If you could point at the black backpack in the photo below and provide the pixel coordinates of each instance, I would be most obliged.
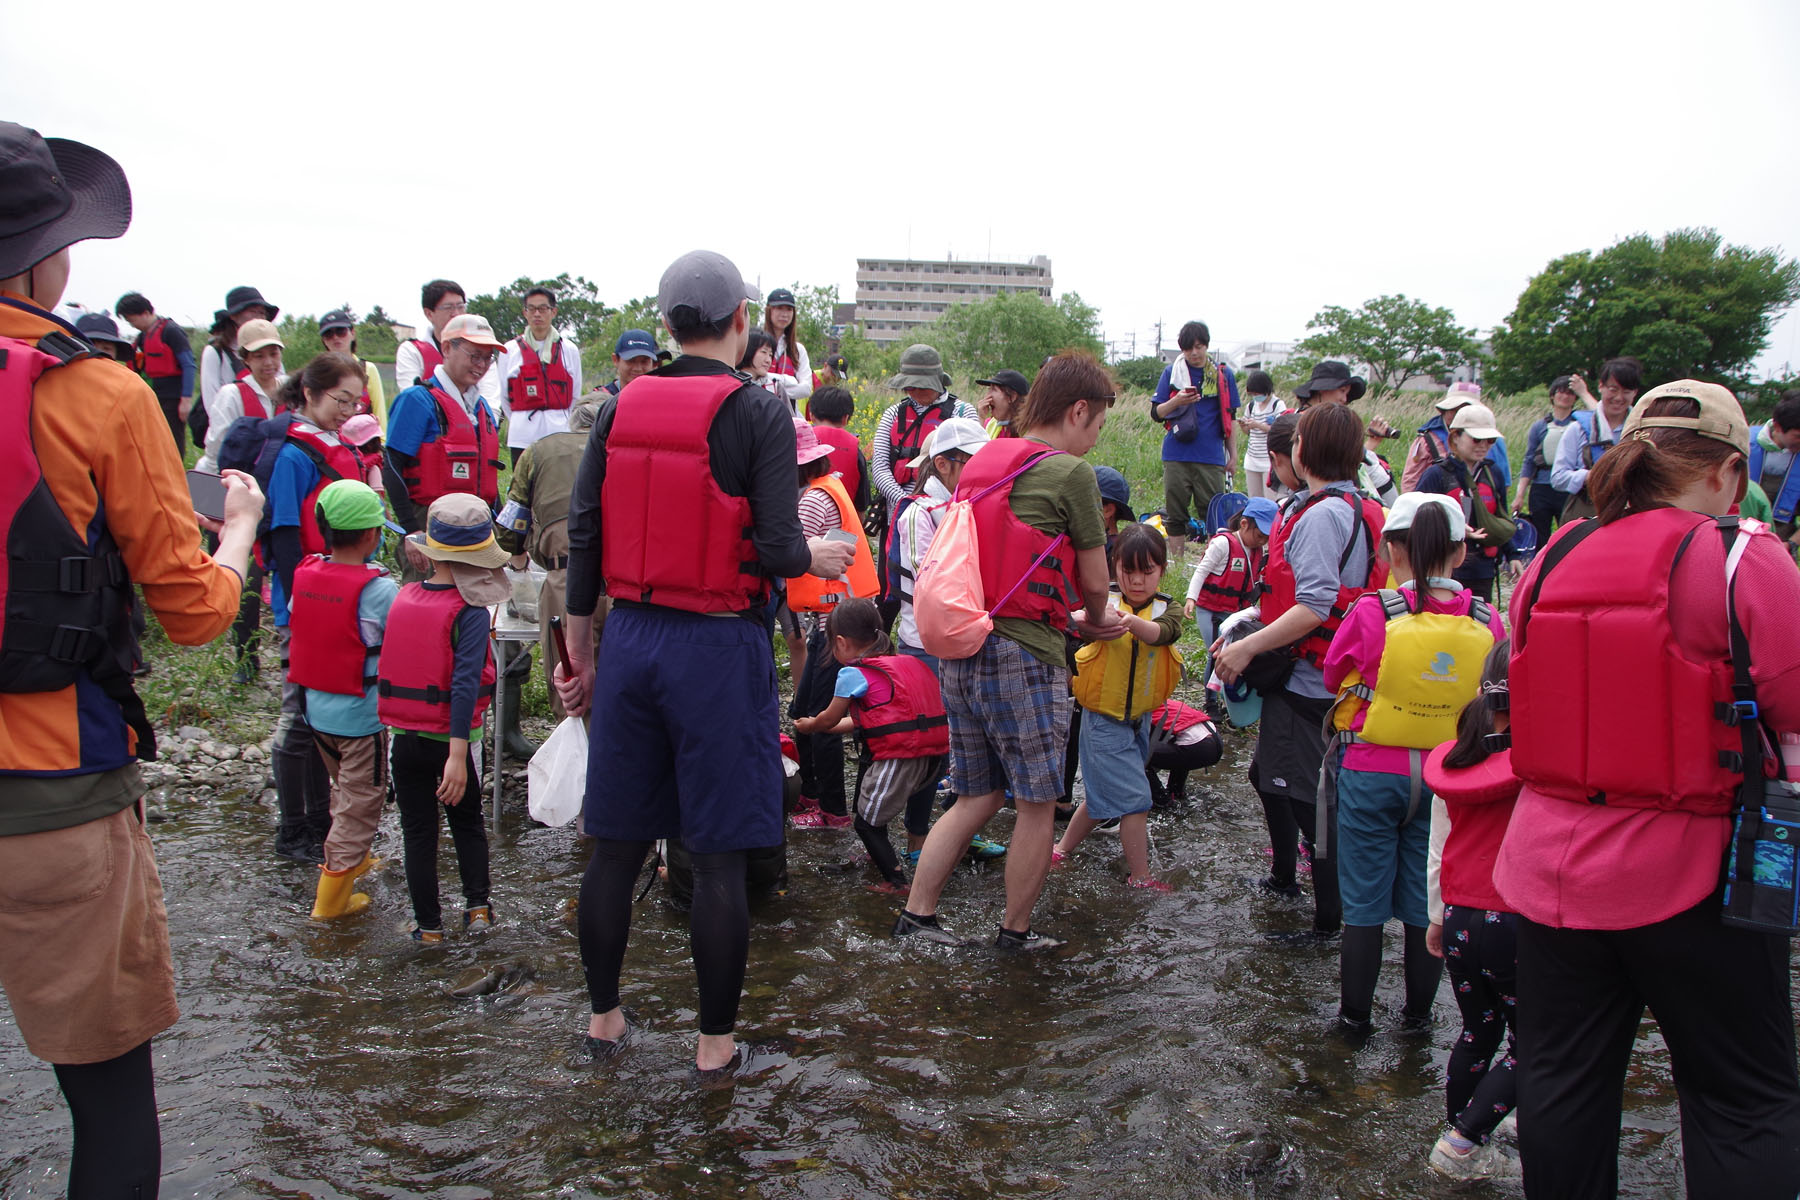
(252, 444)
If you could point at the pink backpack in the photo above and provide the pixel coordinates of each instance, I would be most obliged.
(951, 612)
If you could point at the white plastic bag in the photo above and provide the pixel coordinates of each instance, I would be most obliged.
(557, 777)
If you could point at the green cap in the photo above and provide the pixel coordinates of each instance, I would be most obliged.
(351, 504)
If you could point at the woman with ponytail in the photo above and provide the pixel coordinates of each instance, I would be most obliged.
(1628, 737)
(1404, 664)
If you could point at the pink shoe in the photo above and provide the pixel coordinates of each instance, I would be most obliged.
(843, 822)
(1151, 883)
(1057, 858)
(805, 804)
(817, 819)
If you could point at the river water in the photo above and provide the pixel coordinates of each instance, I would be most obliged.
(1168, 1050)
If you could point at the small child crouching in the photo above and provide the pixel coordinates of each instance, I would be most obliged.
(336, 618)
(893, 702)
(437, 680)
(1118, 684)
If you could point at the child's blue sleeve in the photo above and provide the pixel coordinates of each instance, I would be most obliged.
(851, 683)
(291, 479)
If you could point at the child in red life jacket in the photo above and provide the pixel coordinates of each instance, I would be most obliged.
(336, 618)
(1118, 684)
(1474, 792)
(893, 702)
(364, 433)
(1225, 581)
(1404, 663)
(437, 680)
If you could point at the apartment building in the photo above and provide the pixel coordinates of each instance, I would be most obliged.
(897, 295)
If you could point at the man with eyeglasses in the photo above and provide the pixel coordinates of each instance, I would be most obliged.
(541, 376)
(442, 436)
(443, 300)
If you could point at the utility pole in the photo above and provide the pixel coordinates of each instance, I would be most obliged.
(1159, 337)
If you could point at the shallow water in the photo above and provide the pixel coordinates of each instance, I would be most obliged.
(1167, 1051)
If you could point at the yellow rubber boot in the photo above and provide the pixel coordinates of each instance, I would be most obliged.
(369, 863)
(335, 899)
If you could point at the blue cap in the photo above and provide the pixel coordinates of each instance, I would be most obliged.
(635, 343)
(1113, 487)
(1262, 510)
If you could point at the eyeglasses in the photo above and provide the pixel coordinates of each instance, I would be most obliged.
(340, 332)
(452, 306)
(540, 308)
(478, 357)
(1482, 441)
(344, 399)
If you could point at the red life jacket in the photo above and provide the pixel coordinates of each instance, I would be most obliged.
(253, 401)
(327, 652)
(67, 607)
(418, 658)
(785, 363)
(907, 440)
(1177, 717)
(670, 535)
(1487, 486)
(910, 721)
(845, 449)
(154, 356)
(430, 359)
(538, 386)
(335, 461)
(1606, 706)
(1232, 588)
(460, 459)
(1278, 575)
(1046, 592)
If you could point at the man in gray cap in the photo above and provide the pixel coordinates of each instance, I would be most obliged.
(684, 507)
(900, 436)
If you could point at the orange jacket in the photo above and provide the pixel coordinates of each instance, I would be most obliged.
(98, 419)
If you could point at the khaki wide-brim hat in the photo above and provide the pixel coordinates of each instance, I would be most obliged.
(460, 529)
(921, 366)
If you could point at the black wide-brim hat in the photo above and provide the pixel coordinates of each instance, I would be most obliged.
(240, 298)
(1330, 374)
(54, 193)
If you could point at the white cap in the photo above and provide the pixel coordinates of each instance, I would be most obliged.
(1400, 517)
(1476, 420)
(955, 433)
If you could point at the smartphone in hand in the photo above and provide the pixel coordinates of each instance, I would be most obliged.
(208, 493)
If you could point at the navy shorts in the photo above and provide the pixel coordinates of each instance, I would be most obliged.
(685, 736)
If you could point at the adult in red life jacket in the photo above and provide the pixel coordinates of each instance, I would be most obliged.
(442, 436)
(90, 481)
(790, 361)
(1613, 857)
(321, 398)
(166, 360)
(1321, 557)
(540, 374)
(253, 395)
(1009, 702)
(1002, 401)
(685, 507)
(900, 437)
(832, 408)
(417, 358)
(1468, 477)
(1195, 400)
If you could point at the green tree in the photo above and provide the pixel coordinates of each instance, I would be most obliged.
(375, 338)
(1140, 373)
(1011, 329)
(579, 310)
(300, 341)
(596, 352)
(1685, 304)
(812, 313)
(1396, 336)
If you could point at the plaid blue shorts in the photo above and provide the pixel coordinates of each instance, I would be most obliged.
(1009, 722)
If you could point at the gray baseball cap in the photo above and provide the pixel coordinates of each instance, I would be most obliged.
(704, 281)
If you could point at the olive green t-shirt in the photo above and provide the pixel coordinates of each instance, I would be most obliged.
(1057, 495)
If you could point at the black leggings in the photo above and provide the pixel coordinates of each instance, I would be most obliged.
(1182, 759)
(1481, 954)
(418, 765)
(1359, 966)
(1290, 821)
(118, 1145)
(821, 754)
(881, 850)
(718, 927)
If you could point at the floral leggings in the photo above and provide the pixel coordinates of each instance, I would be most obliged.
(1480, 954)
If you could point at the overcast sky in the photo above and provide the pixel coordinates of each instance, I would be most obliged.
(1244, 164)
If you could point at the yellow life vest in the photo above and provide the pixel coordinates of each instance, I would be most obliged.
(1124, 678)
(1430, 670)
(809, 593)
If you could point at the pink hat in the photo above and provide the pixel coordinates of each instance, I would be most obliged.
(359, 430)
(807, 446)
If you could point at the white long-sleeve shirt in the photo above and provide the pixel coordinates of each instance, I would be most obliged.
(525, 428)
(222, 408)
(215, 372)
(801, 387)
(915, 529)
(409, 367)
